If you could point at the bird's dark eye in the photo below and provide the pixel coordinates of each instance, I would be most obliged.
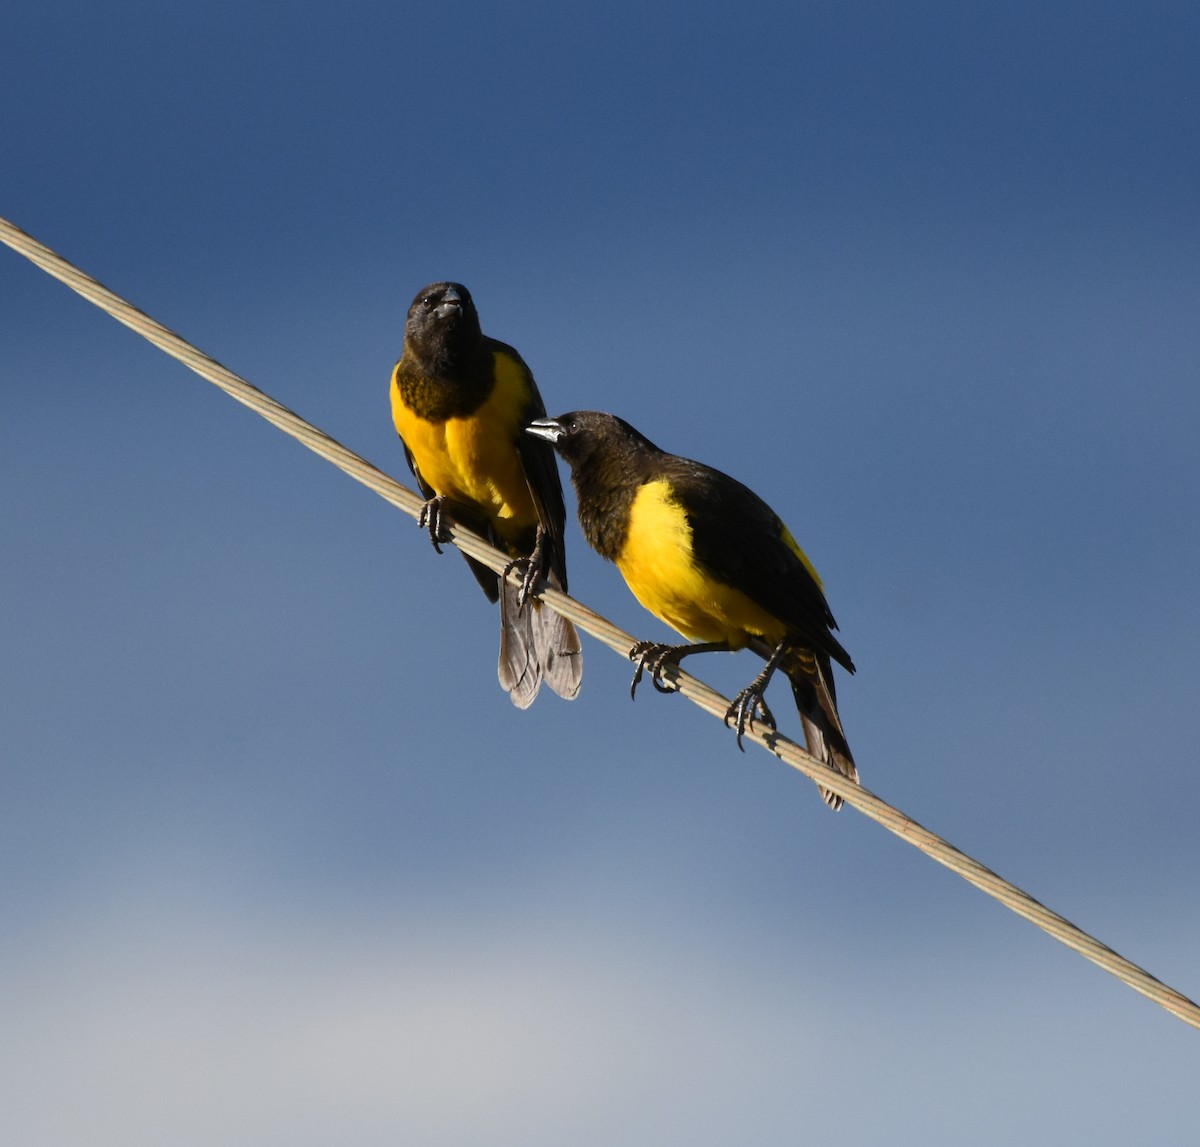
(427, 301)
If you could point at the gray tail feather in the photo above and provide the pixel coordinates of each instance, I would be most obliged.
(536, 644)
(557, 647)
(520, 674)
(822, 726)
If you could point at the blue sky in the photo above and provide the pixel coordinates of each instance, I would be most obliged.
(279, 862)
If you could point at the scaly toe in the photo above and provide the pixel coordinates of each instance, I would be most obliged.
(430, 519)
(653, 656)
(529, 578)
(661, 662)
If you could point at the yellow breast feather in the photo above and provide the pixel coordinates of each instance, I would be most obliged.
(656, 562)
(474, 459)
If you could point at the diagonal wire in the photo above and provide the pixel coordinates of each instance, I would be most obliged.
(603, 630)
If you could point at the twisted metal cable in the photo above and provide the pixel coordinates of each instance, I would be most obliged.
(603, 630)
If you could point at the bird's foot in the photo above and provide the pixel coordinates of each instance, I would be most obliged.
(529, 578)
(532, 569)
(749, 705)
(430, 519)
(656, 657)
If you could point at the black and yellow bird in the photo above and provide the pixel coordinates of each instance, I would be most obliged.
(710, 558)
(461, 402)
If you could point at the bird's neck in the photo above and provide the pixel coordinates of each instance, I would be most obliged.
(605, 497)
(447, 383)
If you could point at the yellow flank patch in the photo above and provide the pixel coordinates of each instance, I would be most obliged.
(474, 459)
(656, 562)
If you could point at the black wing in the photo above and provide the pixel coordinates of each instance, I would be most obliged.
(541, 471)
(426, 489)
(738, 539)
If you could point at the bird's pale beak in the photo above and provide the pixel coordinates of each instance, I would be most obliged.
(545, 428)
(451, 303)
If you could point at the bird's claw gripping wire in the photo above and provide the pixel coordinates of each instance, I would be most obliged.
(532, 568)
(655, 656)
(749, 705)
(430, 519)
(529, 578)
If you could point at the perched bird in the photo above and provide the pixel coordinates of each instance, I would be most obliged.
(461, 402)
(710, 558)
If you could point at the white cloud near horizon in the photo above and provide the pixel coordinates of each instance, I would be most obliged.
(134, 1019)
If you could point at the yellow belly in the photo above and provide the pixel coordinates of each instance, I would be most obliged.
(657, 565)
(474, 460)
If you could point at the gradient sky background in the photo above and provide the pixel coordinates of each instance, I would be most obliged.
(279, 862)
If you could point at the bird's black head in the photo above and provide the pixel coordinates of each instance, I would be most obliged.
(609, 460)
(584, 437)
(442, 325)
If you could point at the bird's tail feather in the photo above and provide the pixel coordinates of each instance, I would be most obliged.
(536, 644)
(557, 647)
(812, 686)
(519, 671)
